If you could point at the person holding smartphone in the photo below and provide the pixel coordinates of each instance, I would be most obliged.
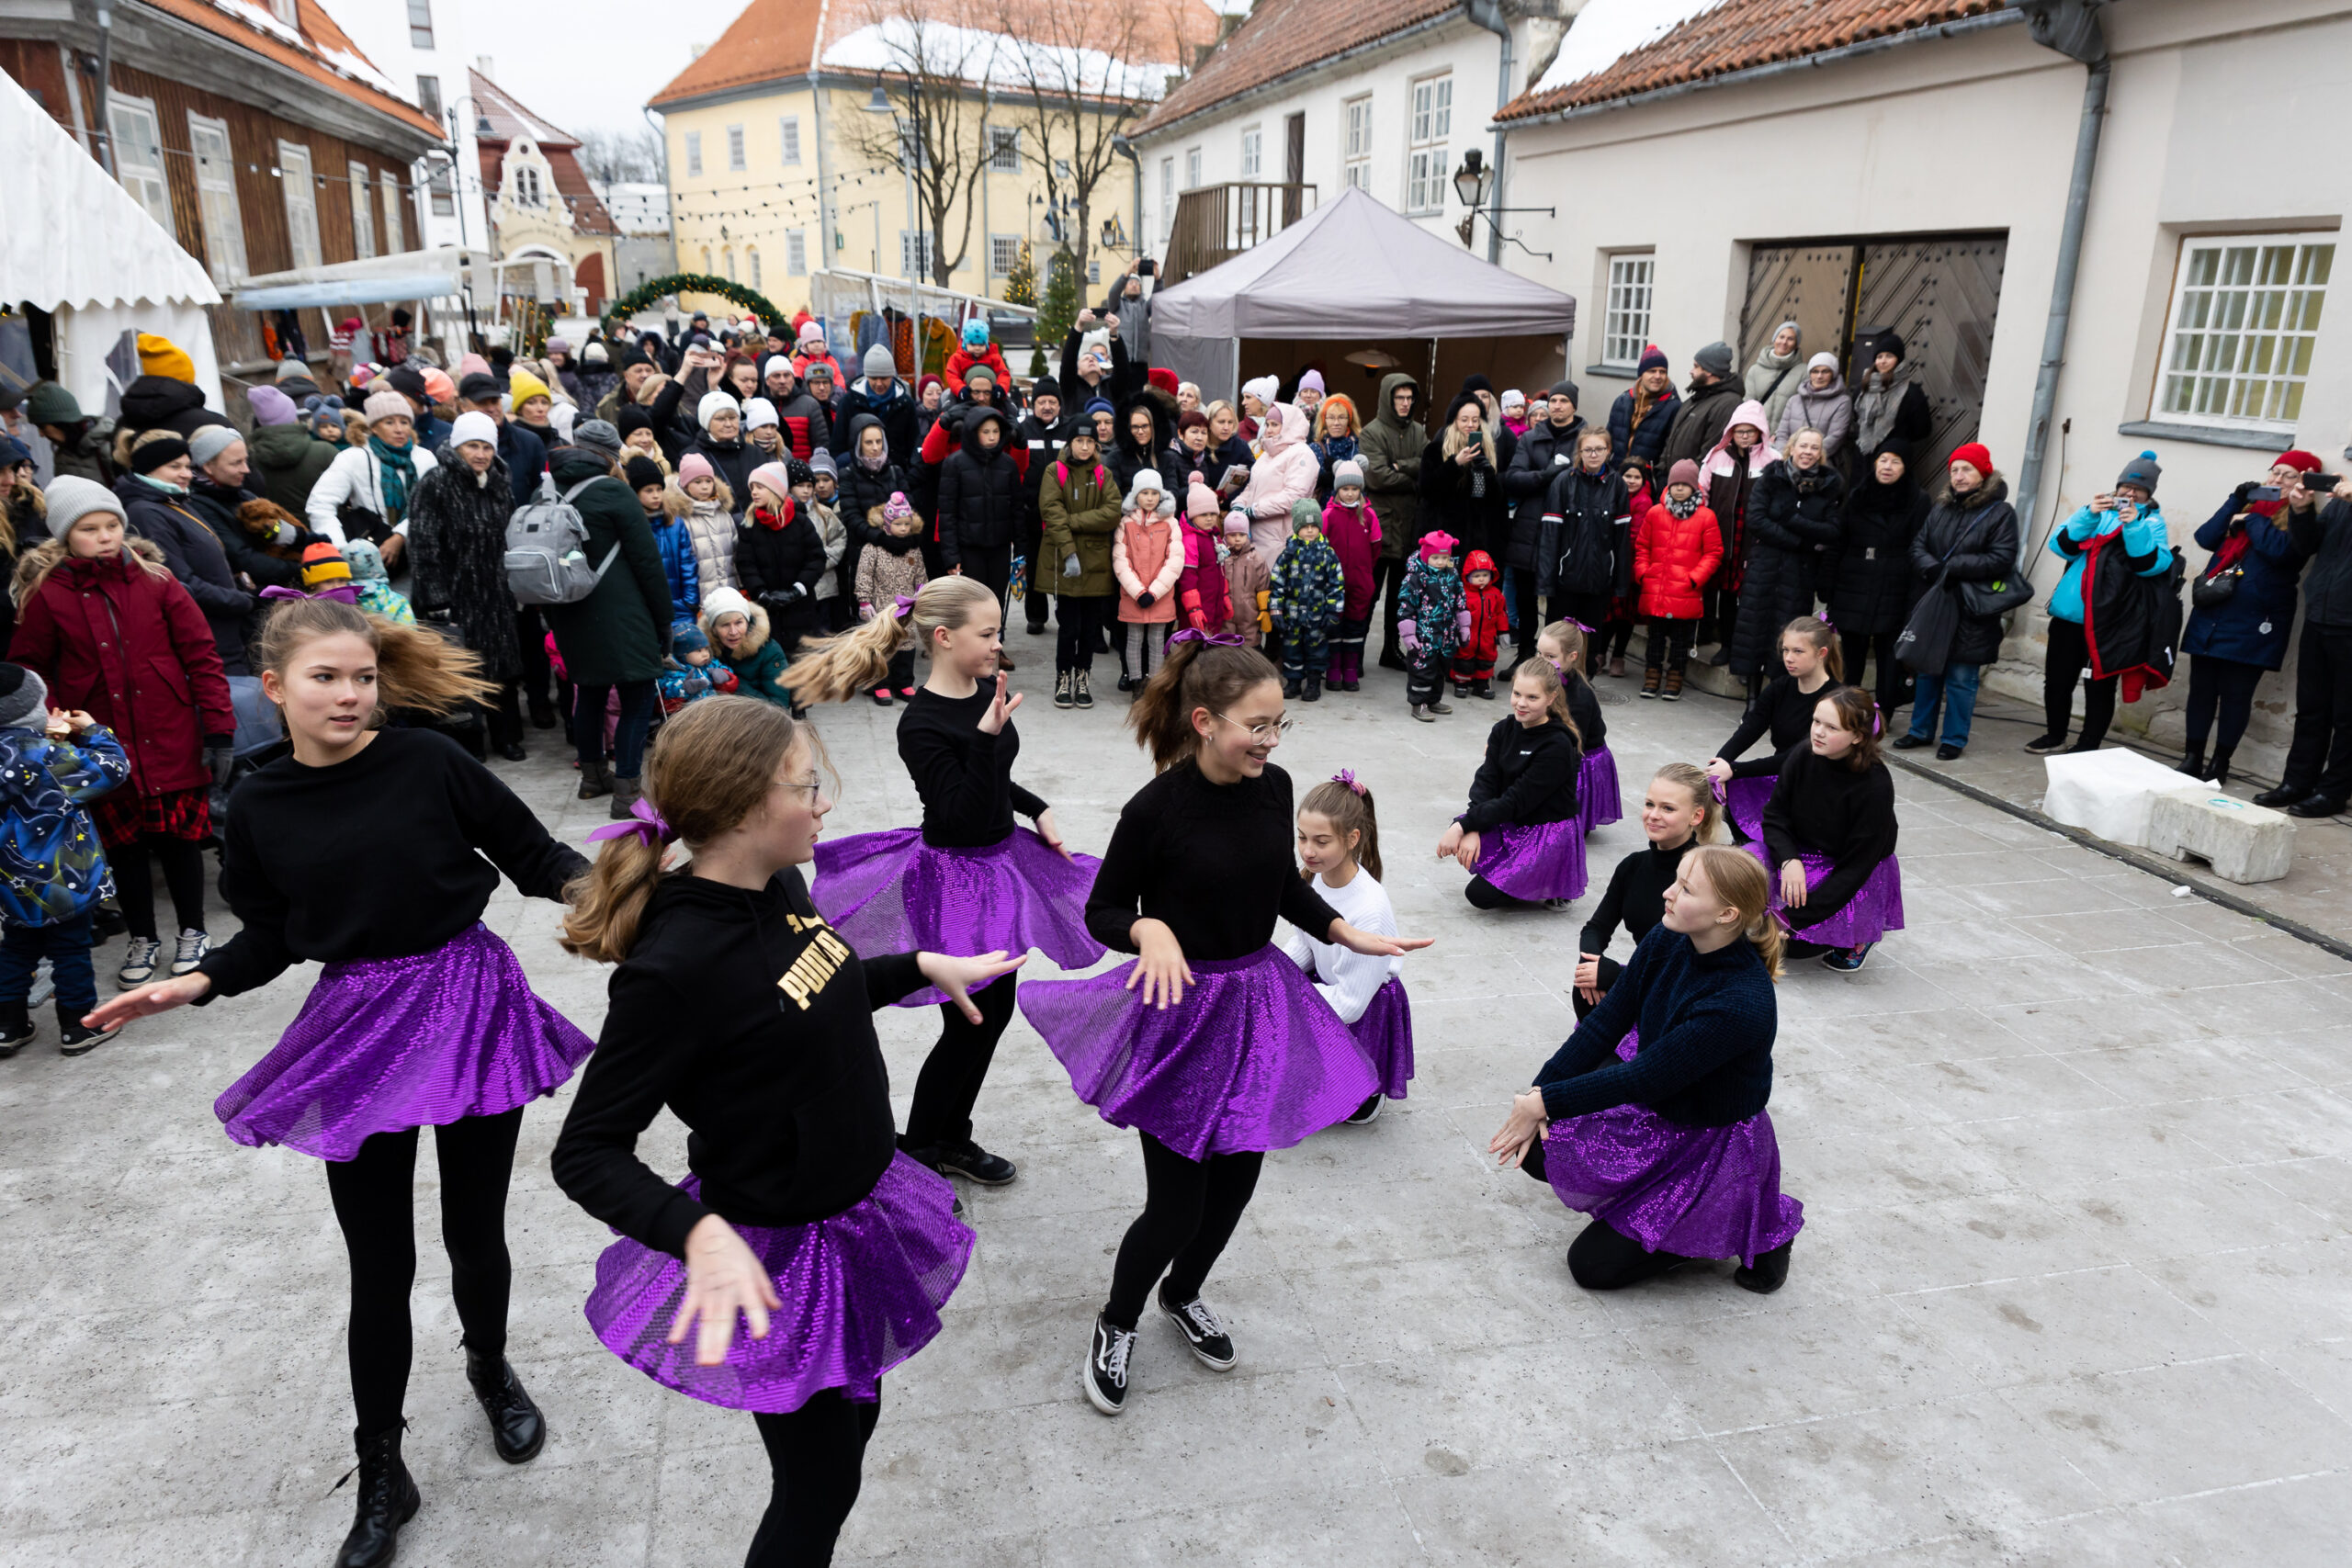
(2242, 609)
(2318, 776)
(2129, 507)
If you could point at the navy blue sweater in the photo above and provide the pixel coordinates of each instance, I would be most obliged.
(1707, 1022)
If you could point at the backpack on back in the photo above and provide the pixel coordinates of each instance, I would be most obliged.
(546, 561)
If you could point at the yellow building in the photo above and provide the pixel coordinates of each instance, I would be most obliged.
(783, 162)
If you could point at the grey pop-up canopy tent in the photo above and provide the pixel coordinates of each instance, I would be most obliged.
(1355, 276)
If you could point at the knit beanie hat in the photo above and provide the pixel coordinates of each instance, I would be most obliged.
(49, 403)
(821, 462)
(1094, 403)
(799, 472)
(1437, 542)
(976, 334)
(898, 506)
(323, 566)
(634, 417)
(1045, 387)
(473, 426)
(270, 406)
(1159, 375)
(776, 477)
(1974, 455)
(323, 412)
(713, 404)
(290, 370)
(1261, 387)
(812, 330)
(758, 413)
(2302, 462)
(979, 373)
(1715, 359)
(1825, 360)
(438, 386)
(1653, 358)
(1146, 479)
(598, 437)
(149, 456)
(1201, 502)
(386, 405)
(1513, 398)
(13, 451)
(685, 640)
(1237, 520)
(1310, 378)
(408, 382)
(1305, 513)
(162, 357)
(365, 561)
(24, 699)
(640, 472)
(694, 466)
(522, 386)
(877, 362)
(70, 498)
(1345, 472)
(209, 441)
(723, 601)
(1568, 389)
(1685, 472)
(2142, 472)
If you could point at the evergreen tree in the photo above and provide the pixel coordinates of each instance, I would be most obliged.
(1021, 283)
(1058, 306)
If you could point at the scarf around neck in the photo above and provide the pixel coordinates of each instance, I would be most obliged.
(398, 465)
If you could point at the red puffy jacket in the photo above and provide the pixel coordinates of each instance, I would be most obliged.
(1201, 587)
(1489, 617)
(1673, 558)
(131, 649)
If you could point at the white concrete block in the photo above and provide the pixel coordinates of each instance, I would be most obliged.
(2108, 793)
(2243, 843)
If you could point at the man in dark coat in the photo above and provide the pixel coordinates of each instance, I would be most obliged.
(1041, 434)
(1546, 450)
(2318, 776)
(1713, 397)
(880, 392)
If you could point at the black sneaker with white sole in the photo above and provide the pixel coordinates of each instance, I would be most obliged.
(969, 1160)
(16, 1029)
(1104, 1375)
(1363, 1113)
(1211, 1343)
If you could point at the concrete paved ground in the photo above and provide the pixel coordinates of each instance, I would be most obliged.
(2072, 1289)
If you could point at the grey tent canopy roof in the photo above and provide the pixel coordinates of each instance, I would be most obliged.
(1355, 268)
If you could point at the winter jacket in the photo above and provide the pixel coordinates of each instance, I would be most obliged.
(1309, 591)
(161, 402)
(1490, 615)
(457, 552)
(1203, 597)
(885, 571)
(1675, 559)
(120, 640)
(780, 561)
(1391, 449)
(710, 528)
(1286, 471)
(1147, 556)
(1135, 317)
(1866, 577)
(1647, 439)
(1126, 458)
(1354, 533)
(1583, 541)
(1465, 501)
(1527, 778)
(863, 489)
(1078, 506)
(1829, 410)
(1790, 521)
(1729, 488)
(2325, 535)
(1249, 588)
(1892, 410)
(758, 664)
(960, 364)
(621, 631)
(219, 507)
(1541, 457)
(1970, 538)
(827, 517)
(893, 411)
(196, 557)
(51, 865)
(1432, 602)
(692, 683)
(355, 478)
(733, 461)
(1773, 380)
(1042, 442)
(2253, 623)
(1331, 451)
(679, 568)
(288, 461)
(2144, 538)
(979, 492)
(2131, 617)
(1699, 424)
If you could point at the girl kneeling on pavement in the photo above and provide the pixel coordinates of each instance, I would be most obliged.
(1829, 836)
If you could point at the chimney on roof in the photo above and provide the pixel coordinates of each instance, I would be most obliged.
(487, 66)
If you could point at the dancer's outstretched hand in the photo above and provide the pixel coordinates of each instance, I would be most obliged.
(957, 977)
(1520, 1130)
(1371, 944)
(1051, 831)
(1161, 969)
(146, 1002)
(992, 721)
(724, 1277)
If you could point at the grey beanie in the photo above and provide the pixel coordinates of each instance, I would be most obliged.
(209, 441)
(1564, 389)
(1715, 359)
(878, 361)
(2142, 472)
(70, 498)
(24, 699)
(599, 436)
(821, 461)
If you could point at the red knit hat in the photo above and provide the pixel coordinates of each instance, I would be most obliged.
(1973, 454)
(1162, 377)
(2302, 462)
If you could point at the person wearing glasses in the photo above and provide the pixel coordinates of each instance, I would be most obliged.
(739, 1009)
(1212, 1044)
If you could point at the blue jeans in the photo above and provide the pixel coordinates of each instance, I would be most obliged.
(66, 944)
(1955, 691)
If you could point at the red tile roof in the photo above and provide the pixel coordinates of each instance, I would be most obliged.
(1283, 35)
(1739, 35)
(315, 57)
(512, 120)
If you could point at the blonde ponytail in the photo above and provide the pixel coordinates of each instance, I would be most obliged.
(837, 668)
(1701, 786)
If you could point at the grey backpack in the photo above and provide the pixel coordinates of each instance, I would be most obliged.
(546, 561)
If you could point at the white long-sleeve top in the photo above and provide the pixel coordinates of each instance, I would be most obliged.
(1348, 980)
(355, 477)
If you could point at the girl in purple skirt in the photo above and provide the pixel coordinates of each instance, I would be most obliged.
(1829, 836)
(1339, 844)
(1598, 801)
(1669, 1149)
(421, 1017)
(736, 1007)
(1520, 838)
(1679, 810)
(1782, 711)
(968, 880)
(1211, 1044)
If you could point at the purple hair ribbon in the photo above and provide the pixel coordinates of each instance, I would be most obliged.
(1722, 795)
(906, 603)
(1347, 776)
(342, 593)
(643, 820)
(1215, 640)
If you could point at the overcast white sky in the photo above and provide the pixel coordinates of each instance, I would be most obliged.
(591, 64)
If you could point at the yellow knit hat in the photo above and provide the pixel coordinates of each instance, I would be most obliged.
(162, 357)
(523, 387)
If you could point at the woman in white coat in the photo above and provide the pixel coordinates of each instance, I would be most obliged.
(376, 478)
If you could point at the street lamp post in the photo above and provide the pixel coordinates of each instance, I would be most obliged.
(1474, 181)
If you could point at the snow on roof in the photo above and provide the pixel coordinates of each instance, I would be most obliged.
(1605, 31)
(992, 59)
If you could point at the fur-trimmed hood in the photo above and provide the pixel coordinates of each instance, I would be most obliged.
(729, 602)
(35, 565)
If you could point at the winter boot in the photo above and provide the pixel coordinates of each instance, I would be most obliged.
(595, 780)
(75, 1038)
(1084, 694)
(1313, 693)
(1061, 689)
(1673, 692)
(1650, 680)
(1483, 689)
(388, 1499)
(1421, 712)
(2217, 772)
(517, 1431)
(2193, 761)
(625, 794)
(15, 1027)
(1291, 688)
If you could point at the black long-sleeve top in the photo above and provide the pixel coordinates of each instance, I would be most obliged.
(1584, 706)
(1529, 777)
(745, 1014)
(1784, 713)
(289, 871)
(1636, 896)
(1707, 1021)
(1828, 808)
(964, 777)
(1213, 860)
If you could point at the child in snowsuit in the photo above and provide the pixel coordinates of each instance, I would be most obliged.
(376, 594)
(1354, 528)
(888, 570)
(1309, 592)
(1248, 582)
(53, 871)
(1145, 558)
(1677, 548)
(1482, 596)
(1430, 623)
(1201, 587)
(976, 349)
(698, 675)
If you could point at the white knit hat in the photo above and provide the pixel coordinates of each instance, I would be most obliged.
(473, 426)
(723, 601)
(713, 404)
(70, 498)
(1146, 479)
(1264, 388)
(758, 411)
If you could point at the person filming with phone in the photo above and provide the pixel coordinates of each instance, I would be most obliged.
(2319, 763)
(2241, 610)
(2131, 508)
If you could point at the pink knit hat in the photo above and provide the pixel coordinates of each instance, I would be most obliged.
(694, 466)
(777, 479)
(1201, 502)
(1438, 542)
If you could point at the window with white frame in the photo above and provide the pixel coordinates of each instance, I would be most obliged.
(138, 156)
(752, 263)
(420, 24)
(694, 151)
(789, 127)
(1253, 150)
(428, 95)
(915, 252)
(216, 196)
(735, 148)
(1004, 149)
(302, 203)
(395, 235)
(1432, 126)
(443, 184)
(727, 259)
(1355, 156)
(1004, 254)
(2245, 314)
(796, 252)
(1192, 168)
(1625, 313)
(363, 211)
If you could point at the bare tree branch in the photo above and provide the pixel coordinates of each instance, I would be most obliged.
(937, 74)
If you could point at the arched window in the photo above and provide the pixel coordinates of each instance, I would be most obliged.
(705, 261)
(752, 263)
(727, 255)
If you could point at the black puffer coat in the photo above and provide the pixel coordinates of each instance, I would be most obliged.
(1791, 518)
(1865, 576)
(780, 568)
(218, 504)
(734, 460)
(192, 552)
(162, 402)
(979, 492)
(1125, 460)
(1585, 544)
(1978, 533)
(1542, 454)
(456, 546)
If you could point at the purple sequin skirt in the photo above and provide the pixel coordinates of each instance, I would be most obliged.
(1598, 800)
(1385, 1033)
(1744, 803)
(892, 893)
(1699, 1191)
(861, 1291)
(1535, 864)
(1875, 908)
(384, 1044)
(1252, 1059)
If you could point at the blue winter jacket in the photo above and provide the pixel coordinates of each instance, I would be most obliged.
(677, 547)
(2252, 625)
(51, 864)
(2145, 534)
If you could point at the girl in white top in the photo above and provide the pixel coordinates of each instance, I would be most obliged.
(1338, 844)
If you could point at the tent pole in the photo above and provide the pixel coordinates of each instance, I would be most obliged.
(1432, 382)
(1233, 383)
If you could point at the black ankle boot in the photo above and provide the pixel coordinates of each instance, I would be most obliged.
(516, 1428)
(2193, 761)
(1772, 1270)
(388, 1499)
(2217, 772)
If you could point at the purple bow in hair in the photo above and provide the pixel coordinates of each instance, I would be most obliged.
(1215, 640)
(906, 603)
(1823, 617)
(1589, 631)
(1722, 795)
(342, 593)
(644, 821)
(1347, 776)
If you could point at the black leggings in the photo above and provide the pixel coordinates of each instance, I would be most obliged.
(1079, 621)
(374, 1193)
(950, 1081)
(1603, 1257)
(2225, 683)
(134, 881)
(1892, 687)
(1190, 1208)
(815, 1454)
(1485, 894)
(2069, 656)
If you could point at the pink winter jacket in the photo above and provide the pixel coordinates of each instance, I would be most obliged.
(1146, 556)
(1285, 472)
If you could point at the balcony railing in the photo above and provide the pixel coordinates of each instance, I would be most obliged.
(1216, 223)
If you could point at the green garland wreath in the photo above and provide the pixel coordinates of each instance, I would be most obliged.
(646, 293)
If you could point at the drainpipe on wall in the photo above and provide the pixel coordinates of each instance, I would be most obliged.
(1489, 14)
(2071, 28)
